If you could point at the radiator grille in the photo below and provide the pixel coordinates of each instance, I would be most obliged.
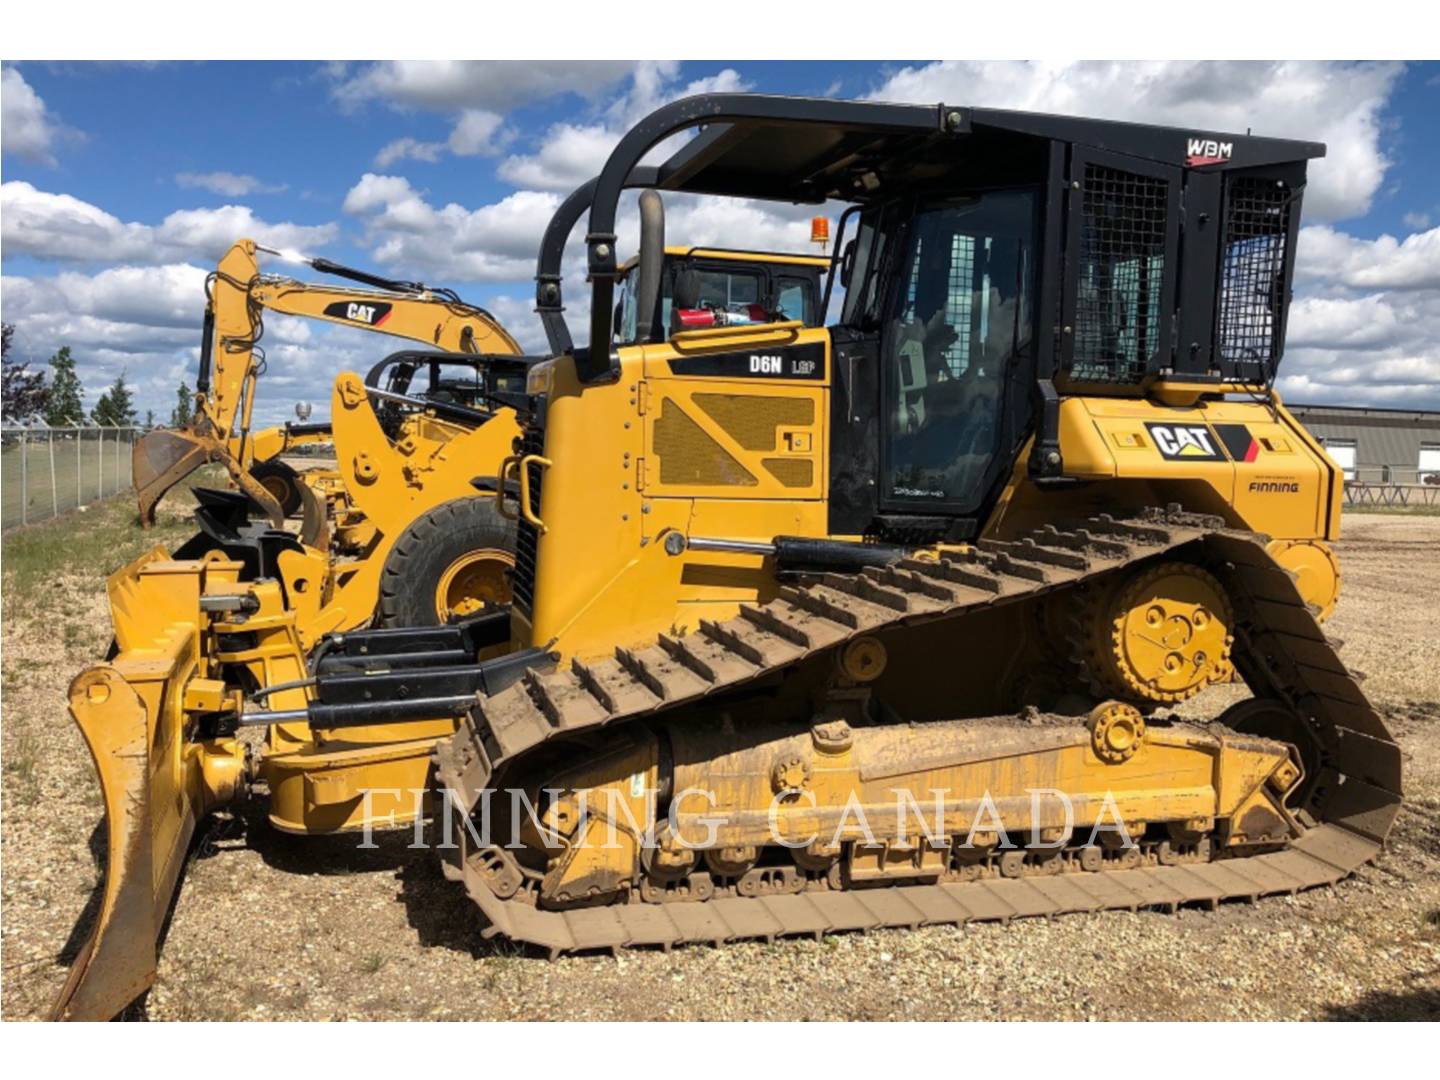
(1121, 271)
(791, 472)
(522, 578)
(753, 421)
(689, 456)
(1252, 271)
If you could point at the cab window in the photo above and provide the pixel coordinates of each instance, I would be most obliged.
(795, 299)
(727, 290)
(960, 313)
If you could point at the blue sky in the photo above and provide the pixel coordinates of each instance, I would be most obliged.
(122, 183)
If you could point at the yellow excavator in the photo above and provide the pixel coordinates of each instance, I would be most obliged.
(231, 362)
(817, 629)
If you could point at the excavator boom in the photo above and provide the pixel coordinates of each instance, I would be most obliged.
(239, 295)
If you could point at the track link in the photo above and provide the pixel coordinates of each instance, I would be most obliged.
(1353, 792)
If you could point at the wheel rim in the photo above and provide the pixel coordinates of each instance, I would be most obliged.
(278, 487)
(473, 582)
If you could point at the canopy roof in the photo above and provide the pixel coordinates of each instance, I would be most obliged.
(810, 150)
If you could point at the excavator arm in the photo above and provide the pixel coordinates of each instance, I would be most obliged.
(231, 363)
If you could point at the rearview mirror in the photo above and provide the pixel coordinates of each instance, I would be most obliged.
(847, 264)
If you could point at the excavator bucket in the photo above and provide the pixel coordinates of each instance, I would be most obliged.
(161, 459)
(156, 781)
(165, 457)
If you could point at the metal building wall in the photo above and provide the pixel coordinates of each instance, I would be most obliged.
(1390, 437)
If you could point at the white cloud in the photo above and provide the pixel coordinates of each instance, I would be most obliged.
(232, 185)
(477, 132)
(500, 241)
(494, 85)
(497, 242)
(568, 156)
(146, 321)
(477, 92)
(1334, 103)
(517, 315)
(571, 153)
(400, 149)
(1417, 220)
(1338, 323)
(47, 225)
(1365, 325)
(1327, 255)
(27, 128)
(142, 320)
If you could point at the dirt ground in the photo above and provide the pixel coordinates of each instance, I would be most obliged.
(273, 927)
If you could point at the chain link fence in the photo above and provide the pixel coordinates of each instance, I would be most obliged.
(47, 471)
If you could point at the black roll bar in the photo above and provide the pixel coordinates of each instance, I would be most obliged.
(690, 112)
(548, 277)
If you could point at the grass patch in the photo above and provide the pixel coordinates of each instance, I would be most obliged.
(21, 759)
(91, 542)
(372, 963)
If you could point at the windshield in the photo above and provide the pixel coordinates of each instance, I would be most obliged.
(960, 310)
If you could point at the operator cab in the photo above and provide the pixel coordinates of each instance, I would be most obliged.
(464, 388)
(1001, 261)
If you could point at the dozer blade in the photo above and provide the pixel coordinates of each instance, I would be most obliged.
(163, 458)
(155, 782)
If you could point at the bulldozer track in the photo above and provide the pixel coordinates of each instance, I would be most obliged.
(1352, 793)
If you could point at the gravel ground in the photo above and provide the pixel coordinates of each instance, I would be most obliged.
(273, 927)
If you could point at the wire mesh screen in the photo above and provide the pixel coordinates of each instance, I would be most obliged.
(960, 301)
(1252, 271)
(1123, 228)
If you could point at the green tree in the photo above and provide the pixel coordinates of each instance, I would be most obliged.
(180, 415)
(23, 393)
(149, 419)
(65, 407)
(116, 407)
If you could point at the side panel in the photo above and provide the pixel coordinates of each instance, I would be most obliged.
(1245, 461)
(1239, 449)
(720, 434)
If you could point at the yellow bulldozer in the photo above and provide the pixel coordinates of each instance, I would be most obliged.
(816, 629)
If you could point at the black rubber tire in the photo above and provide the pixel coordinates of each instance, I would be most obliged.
(274, 470)
(428, 546)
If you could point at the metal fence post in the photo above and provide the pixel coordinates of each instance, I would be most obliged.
(24, 478)
(79, 473)
(54, 485)
(99, 462)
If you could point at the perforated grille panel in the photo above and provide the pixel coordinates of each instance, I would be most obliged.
(1252, 270)
(689, 456)
(1121, 271)
(754, 421)
(791, 472)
